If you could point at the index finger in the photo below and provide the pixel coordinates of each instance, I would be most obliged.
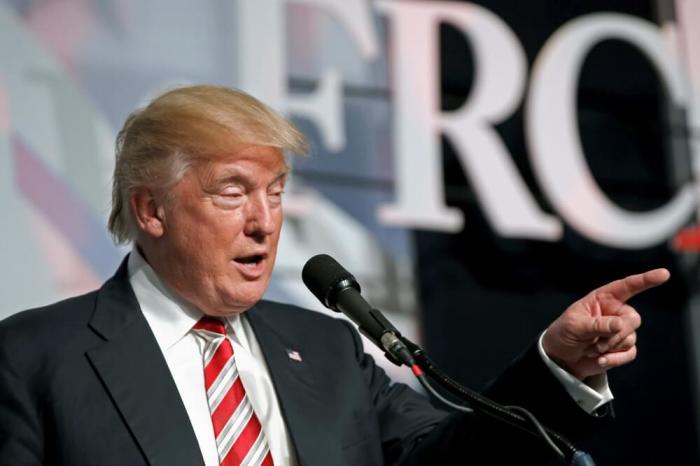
(627, 287)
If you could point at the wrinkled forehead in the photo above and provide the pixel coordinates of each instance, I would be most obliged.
(242, 160)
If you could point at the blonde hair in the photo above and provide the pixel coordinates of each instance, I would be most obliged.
(158, 143)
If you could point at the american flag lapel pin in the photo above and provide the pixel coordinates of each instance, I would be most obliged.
(294, 355)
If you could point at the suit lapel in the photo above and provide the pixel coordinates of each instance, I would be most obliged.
(134, 371)
(305, 409)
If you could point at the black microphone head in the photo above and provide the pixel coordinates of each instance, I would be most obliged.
(324, 277)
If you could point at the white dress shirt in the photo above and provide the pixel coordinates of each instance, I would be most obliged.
(171, 320)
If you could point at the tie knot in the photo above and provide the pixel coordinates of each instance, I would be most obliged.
(211, 324)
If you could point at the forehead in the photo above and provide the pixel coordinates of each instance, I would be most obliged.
(253, 162)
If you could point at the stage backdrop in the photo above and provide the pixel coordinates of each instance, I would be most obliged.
(477, 165)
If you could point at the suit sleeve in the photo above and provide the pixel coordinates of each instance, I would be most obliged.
(413, 432)
(479, 439)
(21, 442)
(529, 383)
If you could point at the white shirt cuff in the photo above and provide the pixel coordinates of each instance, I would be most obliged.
(591, 395)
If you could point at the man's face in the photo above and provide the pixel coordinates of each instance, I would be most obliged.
(221, 228)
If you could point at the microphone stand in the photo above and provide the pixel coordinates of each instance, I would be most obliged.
(399, 348)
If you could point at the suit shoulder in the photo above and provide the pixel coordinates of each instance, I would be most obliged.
(46, 321)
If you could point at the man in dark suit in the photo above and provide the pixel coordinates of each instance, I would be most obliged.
(142, 371)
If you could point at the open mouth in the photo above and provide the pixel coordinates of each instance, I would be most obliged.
(250, 261)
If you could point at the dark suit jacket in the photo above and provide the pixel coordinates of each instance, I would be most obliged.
(83, 382)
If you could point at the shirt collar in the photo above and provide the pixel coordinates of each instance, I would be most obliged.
(169, 316)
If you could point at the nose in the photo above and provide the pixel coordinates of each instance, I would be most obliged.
(260, 219)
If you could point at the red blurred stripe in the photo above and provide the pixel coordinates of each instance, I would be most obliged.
(688, 239)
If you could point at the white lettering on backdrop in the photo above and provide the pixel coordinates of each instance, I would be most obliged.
(499, 84)
(555, 147)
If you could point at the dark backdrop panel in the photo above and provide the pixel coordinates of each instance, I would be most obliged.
(485, 298)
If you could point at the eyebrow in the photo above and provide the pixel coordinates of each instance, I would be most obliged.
(233, 176)
(280, 176)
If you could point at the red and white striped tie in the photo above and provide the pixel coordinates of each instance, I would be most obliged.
(240, 439)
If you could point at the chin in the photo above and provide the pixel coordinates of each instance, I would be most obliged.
(238, 304)
(239, 297)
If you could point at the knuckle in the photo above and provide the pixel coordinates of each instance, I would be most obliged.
(615, 324)
(626, 343)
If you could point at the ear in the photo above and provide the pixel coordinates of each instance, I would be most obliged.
(148, 213)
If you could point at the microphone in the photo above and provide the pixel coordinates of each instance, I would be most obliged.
(338, 290)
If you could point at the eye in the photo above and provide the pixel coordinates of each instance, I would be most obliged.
(232, 191)
(275, 194)
(230, 196)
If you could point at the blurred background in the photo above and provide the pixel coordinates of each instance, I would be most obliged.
(477, 165)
